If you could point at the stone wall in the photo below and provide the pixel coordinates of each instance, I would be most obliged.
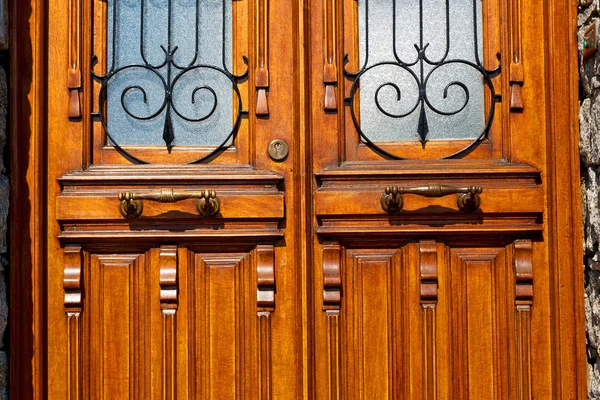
(589, 118)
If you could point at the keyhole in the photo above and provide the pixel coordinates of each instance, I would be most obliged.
(278, 149)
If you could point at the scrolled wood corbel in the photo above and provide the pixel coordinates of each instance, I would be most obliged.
(265, 303)
(74, 80)
(262, 58)
(523, 269)
(332, 302)
(428, 273)
(73, 300)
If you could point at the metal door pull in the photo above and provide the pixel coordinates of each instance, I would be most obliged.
(468, 199)
(132, 206)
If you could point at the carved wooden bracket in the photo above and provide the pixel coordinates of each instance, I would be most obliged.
(73, 280)
(265, 277)
(428, 270)
(168, 279)
(262, 57)
(428, 273)
(330, 71)
(332, 276)
(74, 73)
(516, 63)
(73, 286)
(523, 263)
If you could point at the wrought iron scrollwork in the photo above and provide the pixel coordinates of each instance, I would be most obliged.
(420, 71)
(169, 77)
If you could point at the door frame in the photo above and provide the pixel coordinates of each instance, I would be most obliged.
(28, 217)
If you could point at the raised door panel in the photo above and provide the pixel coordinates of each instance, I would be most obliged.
(170, 322)
(426, 320)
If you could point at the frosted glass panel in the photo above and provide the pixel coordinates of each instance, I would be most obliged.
(402, 90)
(169, 46)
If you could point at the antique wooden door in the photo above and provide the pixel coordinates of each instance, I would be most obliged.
(370, 199)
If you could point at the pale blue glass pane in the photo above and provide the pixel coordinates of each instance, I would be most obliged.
(195, 91)
(467, 123)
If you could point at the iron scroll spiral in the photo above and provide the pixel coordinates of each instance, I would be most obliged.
(420, 72)
(169, 78)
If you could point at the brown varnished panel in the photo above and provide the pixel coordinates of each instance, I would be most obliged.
(478, 294)
(117, 341)
(90, 207)
(370, 314)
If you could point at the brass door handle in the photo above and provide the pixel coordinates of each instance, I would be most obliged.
(132, 206)
(468, 199)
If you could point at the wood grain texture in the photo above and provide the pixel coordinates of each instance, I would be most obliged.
(168, 266)
(428, 271)
(73, 285)
(349, 320)
(523, 265)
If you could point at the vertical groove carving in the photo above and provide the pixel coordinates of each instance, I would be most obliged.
(330, 71)
(74, 74)
(516, 63)
(523, 265)
(332, 302)
(168, 305)
(73, 284)
(262, 59)
(265, 303)
(428, 271)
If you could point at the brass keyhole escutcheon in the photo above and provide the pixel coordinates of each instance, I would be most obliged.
(278, 150)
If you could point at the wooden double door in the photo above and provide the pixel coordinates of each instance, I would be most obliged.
(308, 250)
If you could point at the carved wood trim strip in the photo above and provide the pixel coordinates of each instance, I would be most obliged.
(168, 306)
(333, 353)
(428, 272)
(330, 71)
(262, 57)
(332, 277)
(265, 370)
(265, 303)
(74, 74)
(265, 277)
(516, 66)
(72, 284)
(332, 302)
(523, 265)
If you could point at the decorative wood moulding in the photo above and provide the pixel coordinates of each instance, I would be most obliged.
(262, 57)
(73, 280)
(428, 272)
(523, 267)
(265, 302)
(332, 278)
(72, 284)
(516, 63)
(168, 305)
(330, 70)
(523, 263)
(332, 302)
(74, 73)
(168, 279)
(265, 277)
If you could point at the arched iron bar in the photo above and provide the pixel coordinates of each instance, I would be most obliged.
(422, 79)
(168, 80)
(366, 62)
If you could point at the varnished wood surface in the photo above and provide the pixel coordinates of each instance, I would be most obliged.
(303, 286)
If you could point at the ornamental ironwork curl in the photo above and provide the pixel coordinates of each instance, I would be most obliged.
(421, 70)
(167, 77)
